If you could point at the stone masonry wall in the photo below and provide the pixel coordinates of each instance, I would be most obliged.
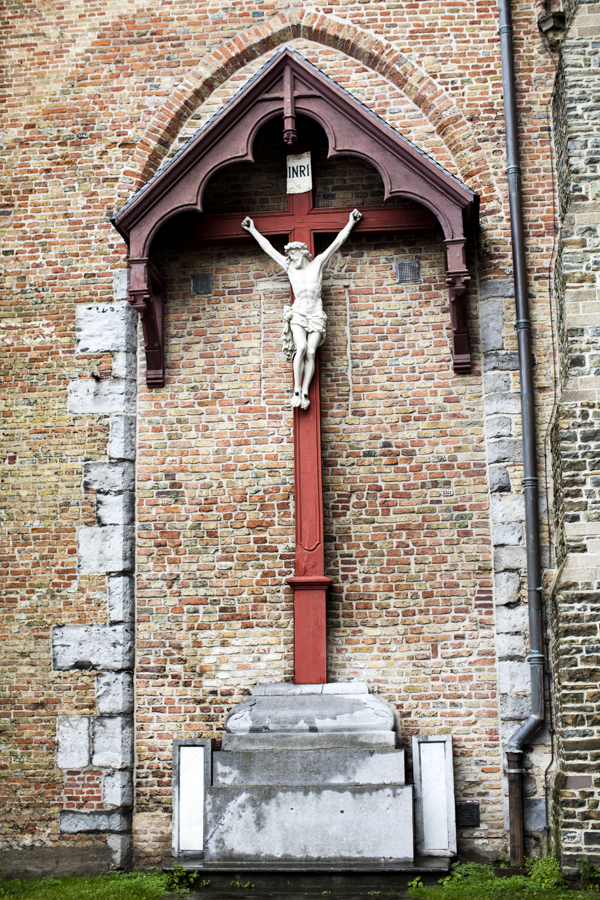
(96, 102)
(576, 447)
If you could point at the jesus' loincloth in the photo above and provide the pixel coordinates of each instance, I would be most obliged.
(310, 322)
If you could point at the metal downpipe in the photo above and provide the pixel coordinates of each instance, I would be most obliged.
(530, 480)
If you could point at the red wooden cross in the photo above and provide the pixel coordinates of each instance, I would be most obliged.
(301, 221)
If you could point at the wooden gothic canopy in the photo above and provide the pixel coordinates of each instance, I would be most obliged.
(288, 86)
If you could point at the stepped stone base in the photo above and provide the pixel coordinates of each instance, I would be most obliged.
(310, 774)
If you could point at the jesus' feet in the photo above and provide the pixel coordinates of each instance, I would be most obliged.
(296, 399)
(305, 402)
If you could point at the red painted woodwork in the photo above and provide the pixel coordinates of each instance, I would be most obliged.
(288, 86)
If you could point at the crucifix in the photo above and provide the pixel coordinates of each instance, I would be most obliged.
(301, 223)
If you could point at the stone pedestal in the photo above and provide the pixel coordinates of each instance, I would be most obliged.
(309, 773)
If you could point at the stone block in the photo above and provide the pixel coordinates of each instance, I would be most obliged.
(105, 327)
(505, 450)
(491, 313)
(513, 677)
(498, 426)
(296, 767)
(534, 814)
(121, 850)
(510, 646)
(112, 742)
(498, 288)
(507, 587)
(497, 382)
(117, 789)
(92, 647)
(508, 404)
(310, 711)
(105, 549)
(115, 509)
(499, 479)
(514, 707)
(336, 740)
(121, 284)
(121, 444)
(90, 397)
(508, 509)
(514, 558)
(511, 534)
(498, 360)
(121, 598)
(309, 824)
(288, 689)
(107, 477)
(124, 365)
(114, 693)
(73, 742)
(72, 822)
(512, 619)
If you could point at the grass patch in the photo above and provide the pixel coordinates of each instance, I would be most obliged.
(116, 886)
(470, 881)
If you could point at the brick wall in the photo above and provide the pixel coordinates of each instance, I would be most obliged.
(427, 605)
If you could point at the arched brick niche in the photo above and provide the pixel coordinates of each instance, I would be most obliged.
(288, 87)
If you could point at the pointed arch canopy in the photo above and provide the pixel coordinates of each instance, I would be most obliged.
(289, 86)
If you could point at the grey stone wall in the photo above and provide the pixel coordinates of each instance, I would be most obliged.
(576, 442)
(105, 741)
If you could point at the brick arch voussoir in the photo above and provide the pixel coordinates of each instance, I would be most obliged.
(367, 49)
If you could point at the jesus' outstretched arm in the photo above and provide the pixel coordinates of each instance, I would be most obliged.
(323, 258)
(267, 246)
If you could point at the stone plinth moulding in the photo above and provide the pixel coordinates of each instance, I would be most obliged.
(288, 87)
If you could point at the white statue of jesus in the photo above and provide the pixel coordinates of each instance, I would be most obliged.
(305, 321)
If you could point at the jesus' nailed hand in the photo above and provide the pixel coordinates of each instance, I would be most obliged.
(305, 321)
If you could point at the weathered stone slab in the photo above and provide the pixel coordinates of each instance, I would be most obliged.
(106, 477)
(121, 598)
(73, 742)
(514, 677)
(492, 321)
(512, 619)
(508, 509)
(287, 688)
(509, 534)
(497, 288)
(114, 693)
(92, 647)
(113, 743)
(117, 789)
(507, 586)
(121, 284)
(105, 327)
(333, 740)
(505, 450)
(72, 822)
(499, 479)
(114, 395)
(498, 426)
(310, 712)
(303, 767)
(122, 440)
(105, 549)
(308, 823)
(508, 404)
(115, 509)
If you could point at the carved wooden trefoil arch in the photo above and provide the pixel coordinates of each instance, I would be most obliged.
(289, 87)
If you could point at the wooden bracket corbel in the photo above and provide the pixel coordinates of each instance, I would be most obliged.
(146, 295)
(457, 278)
(290, 133)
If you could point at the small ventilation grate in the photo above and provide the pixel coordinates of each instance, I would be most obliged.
(408, 270)
(468, 814)
(201, 283)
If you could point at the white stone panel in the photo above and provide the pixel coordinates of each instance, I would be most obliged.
(112, 476)
(115, 509)
(507, 508)
(106, 327)
(511, 619)
(121, 598)
(191, 798)
(433, 795)
(114, 693)
(122, 440)
(112, 742)
(92, 647)
(124, 365)
(101, 550)
(117, 789)
(507, 587)
(514, 677)
(73, 742)
(121, 284)
(114, 395)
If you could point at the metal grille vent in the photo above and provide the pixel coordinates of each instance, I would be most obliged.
(408, 270)
(201, 283)
(468, 814)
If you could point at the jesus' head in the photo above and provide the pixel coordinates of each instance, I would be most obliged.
(297, 253)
